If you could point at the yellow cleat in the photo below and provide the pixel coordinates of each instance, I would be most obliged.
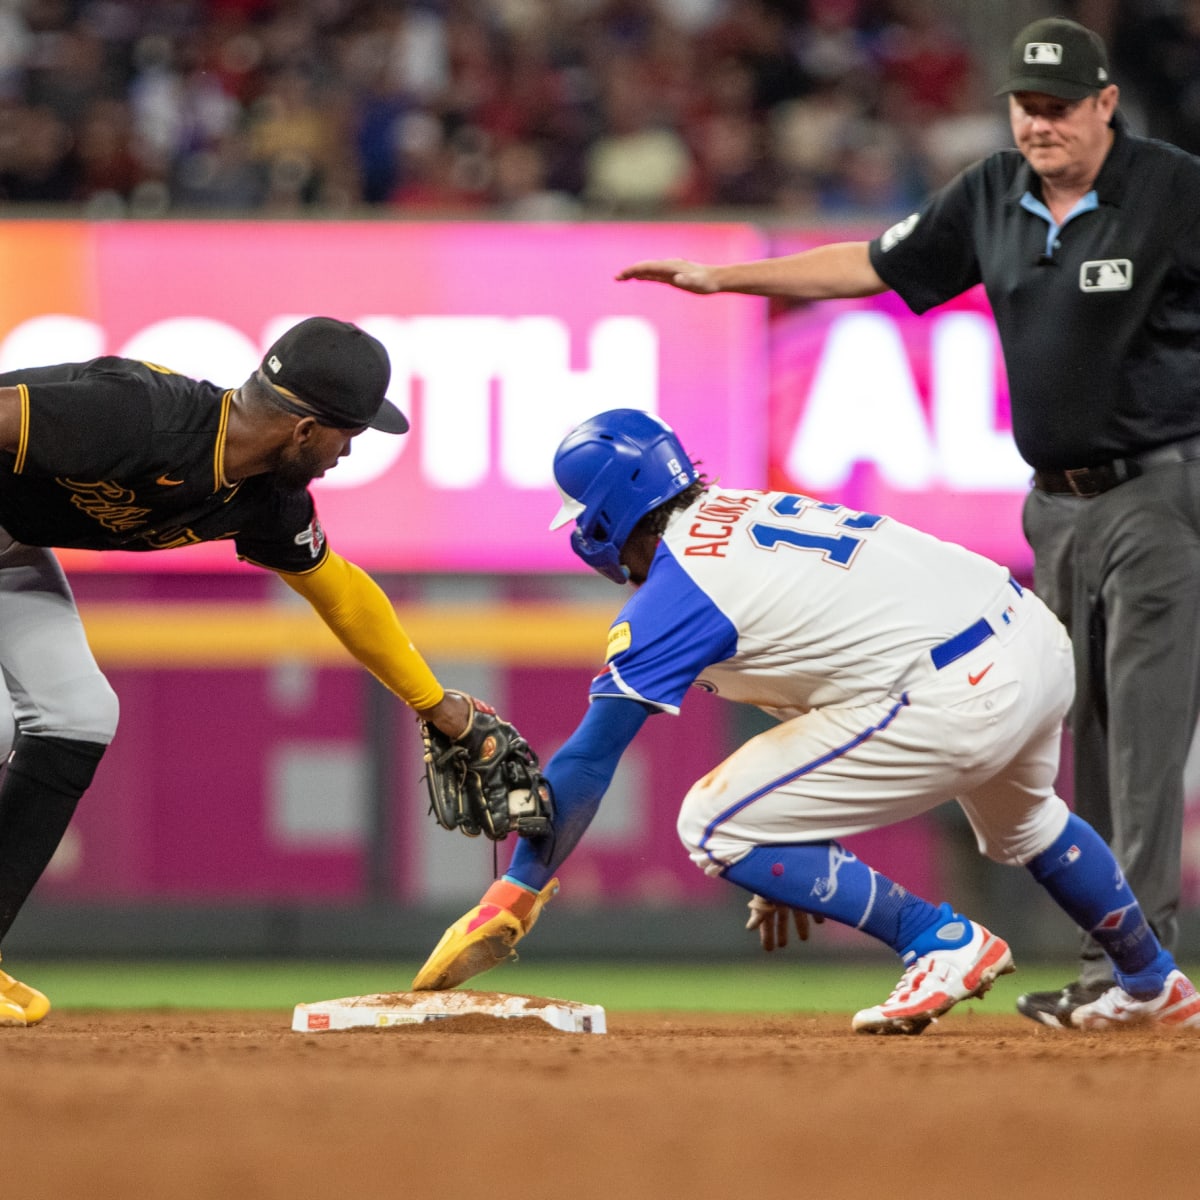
(484, 937)
(11, 1014)
(19, 1003)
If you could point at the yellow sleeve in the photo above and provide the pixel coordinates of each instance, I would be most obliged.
(354, 606)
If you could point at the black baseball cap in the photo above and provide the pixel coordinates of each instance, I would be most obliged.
(335, 372)
(1058, 57)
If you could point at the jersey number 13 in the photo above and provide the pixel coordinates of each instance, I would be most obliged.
(836, 548)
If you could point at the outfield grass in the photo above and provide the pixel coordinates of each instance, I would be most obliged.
(766, 987)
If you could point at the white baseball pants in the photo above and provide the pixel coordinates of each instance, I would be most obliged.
(984, 730)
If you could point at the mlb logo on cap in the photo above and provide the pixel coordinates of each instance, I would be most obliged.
(1056, 57)
(1044, 52)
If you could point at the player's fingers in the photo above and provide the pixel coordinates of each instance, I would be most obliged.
(762, 920)
(766, 933)
(766, 928)
(801, 918)
(781, 927)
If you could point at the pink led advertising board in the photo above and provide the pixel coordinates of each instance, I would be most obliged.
(889, 412)
(502, 337)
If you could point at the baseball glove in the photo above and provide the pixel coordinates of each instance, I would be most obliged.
(487, 780)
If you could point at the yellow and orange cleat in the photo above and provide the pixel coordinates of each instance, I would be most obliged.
(19, 1003)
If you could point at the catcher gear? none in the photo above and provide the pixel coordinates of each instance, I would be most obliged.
(487, 780)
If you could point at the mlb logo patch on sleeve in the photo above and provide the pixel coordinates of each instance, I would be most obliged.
(1106, 275)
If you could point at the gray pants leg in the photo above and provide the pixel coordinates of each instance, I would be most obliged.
(65, 713)
(1121, 570)
(56, 688)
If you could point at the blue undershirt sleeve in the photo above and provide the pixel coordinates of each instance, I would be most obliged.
(579, 775)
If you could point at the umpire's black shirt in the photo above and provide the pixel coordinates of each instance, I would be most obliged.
(1100, 320)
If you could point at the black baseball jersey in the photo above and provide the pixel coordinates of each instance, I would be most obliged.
(122, 455)
(1100, 321)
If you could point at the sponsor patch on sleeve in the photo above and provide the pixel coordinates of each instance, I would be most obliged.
(312, 536)
(619, 638)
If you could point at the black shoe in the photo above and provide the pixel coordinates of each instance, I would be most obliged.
(1055, 1008)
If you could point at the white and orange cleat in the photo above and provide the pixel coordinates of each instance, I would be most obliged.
(1177, 1006)
(19, 1003)
(936, 982)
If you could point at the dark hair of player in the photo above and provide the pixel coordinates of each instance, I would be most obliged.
(656, 520)
(260, 400)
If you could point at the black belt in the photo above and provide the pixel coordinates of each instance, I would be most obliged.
(1092, 481)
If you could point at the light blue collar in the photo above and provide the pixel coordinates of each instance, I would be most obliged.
(1030, 203)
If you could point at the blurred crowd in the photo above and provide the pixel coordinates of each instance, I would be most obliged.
(531, 109)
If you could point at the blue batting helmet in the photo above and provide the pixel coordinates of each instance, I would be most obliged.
(611, 471)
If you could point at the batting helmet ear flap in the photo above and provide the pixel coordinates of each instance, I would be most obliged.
(611, 471)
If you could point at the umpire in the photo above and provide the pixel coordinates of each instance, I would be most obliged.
(115, 454)
(1087, 240)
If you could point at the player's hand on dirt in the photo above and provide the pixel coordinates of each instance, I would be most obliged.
(678, 272)
(484, 937)
(771, 921)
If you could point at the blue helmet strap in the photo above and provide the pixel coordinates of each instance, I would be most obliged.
(600, 556)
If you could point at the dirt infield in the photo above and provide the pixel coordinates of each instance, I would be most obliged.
(234, 1105)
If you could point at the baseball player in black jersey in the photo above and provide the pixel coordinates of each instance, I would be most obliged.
(1087, 240)
(114, 454)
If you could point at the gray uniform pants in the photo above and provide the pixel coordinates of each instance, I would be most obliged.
(57, 689)
(1122, 571)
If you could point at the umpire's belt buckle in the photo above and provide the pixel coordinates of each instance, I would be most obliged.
(1084, 483)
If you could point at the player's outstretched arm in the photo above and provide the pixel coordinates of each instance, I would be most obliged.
(842, 269)
(362, 618)
(578, 775)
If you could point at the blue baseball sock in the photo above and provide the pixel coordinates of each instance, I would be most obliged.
(827, 879)
(1080, 873)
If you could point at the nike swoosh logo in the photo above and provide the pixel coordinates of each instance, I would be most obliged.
(974, 679)
(165, 481)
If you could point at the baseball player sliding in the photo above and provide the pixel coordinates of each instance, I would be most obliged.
(905, 672)
(115, 454)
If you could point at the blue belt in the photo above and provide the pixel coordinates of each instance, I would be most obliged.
(952, 649)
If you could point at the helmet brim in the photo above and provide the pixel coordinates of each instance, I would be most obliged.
(571, 510)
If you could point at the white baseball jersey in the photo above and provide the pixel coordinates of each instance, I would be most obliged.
(790, 604)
